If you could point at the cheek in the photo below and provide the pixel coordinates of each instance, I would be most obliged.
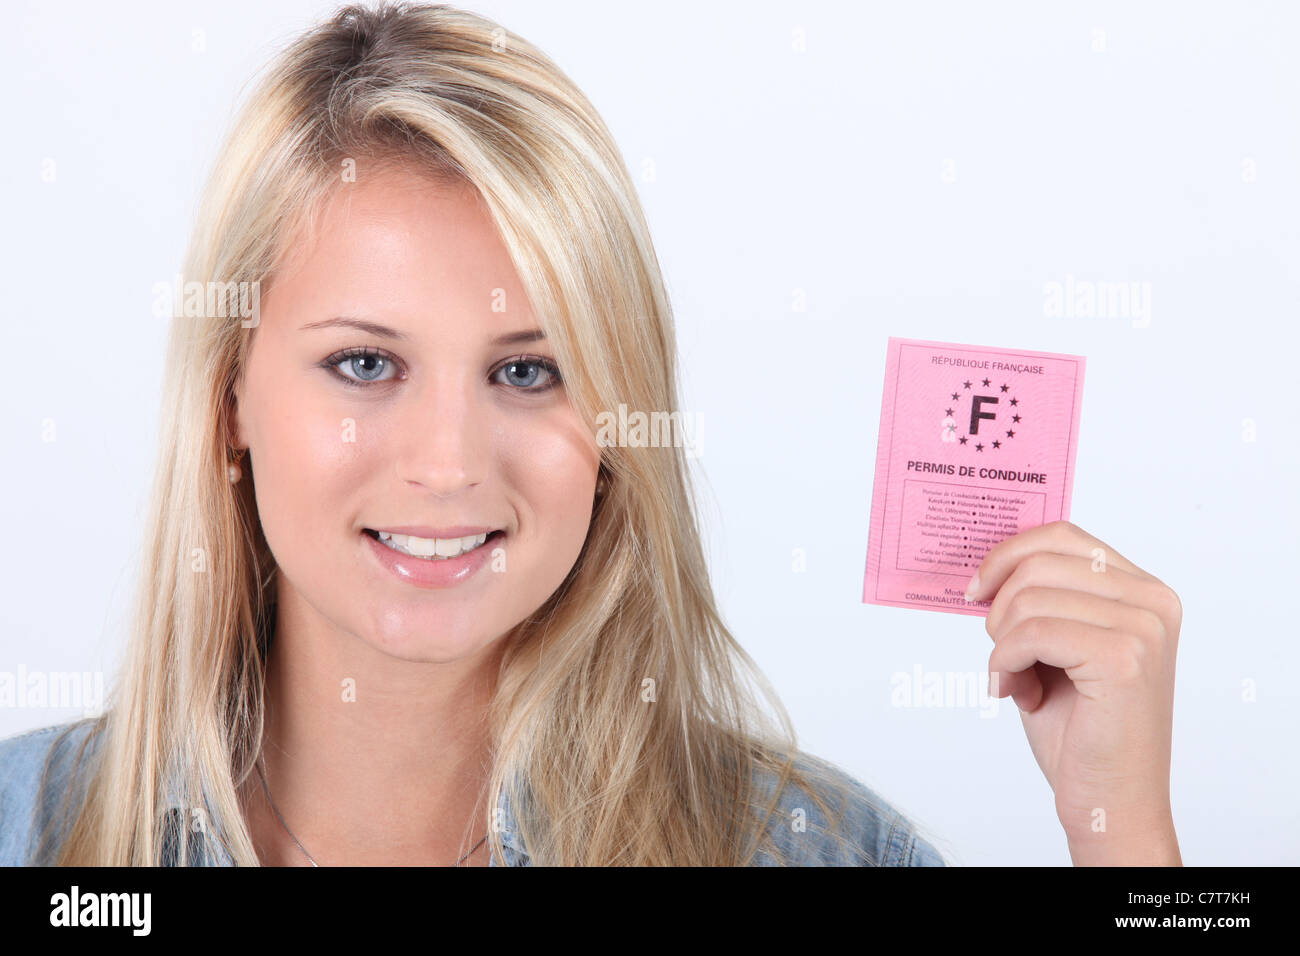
(306, 466)
(555, 470)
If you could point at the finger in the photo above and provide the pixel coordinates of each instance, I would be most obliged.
(1086, 652)
(1057, 586)
(1050, 680)
(1028, 699)
(1081, 608)
(1016, 602)
(1048, 572)
(1059, 537)
(1034, 689)
(1025, 688)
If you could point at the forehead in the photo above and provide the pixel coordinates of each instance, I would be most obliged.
(402, 243)
(397, 215)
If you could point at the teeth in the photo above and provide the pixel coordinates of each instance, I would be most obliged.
(437, 549)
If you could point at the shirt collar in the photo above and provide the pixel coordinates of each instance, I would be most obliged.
(180, 821)
(515, 852)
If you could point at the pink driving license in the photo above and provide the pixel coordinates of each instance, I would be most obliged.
(976, 445)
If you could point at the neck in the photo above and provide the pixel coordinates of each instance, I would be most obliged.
(371, 760)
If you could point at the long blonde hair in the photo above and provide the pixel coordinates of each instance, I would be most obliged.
(596, 770)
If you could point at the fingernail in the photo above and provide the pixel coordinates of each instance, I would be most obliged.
(973, 588)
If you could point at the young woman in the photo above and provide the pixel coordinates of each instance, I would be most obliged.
(401, 606)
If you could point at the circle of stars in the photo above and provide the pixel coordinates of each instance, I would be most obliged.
(1012, 402)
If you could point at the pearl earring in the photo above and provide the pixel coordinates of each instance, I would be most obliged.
(233, 470)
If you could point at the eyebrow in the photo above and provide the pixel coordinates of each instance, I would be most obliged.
(383, 331)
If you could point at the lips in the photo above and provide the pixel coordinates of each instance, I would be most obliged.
(432, 571)
(426, 531)
(431, 548)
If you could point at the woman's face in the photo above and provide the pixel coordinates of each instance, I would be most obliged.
(426, 426)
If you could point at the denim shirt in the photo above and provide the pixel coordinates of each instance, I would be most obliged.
(879, 835)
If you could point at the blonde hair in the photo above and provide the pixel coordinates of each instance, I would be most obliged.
(594, 773)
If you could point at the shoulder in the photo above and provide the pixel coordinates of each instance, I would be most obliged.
(828, 818)
(26, 759)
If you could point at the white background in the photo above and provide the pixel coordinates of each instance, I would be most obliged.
(918, 170)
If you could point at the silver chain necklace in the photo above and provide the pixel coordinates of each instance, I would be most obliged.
(267, 791)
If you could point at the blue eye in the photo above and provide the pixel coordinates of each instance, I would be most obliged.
(363, 367)
(367, 365)
(532, 367)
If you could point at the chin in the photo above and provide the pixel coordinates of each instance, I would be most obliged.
(402, 637)
(436, 652)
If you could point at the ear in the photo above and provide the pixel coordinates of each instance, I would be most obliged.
(234, 429)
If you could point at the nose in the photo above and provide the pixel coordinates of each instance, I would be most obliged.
(443, 440)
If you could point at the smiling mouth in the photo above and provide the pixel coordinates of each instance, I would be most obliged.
(433, 549)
